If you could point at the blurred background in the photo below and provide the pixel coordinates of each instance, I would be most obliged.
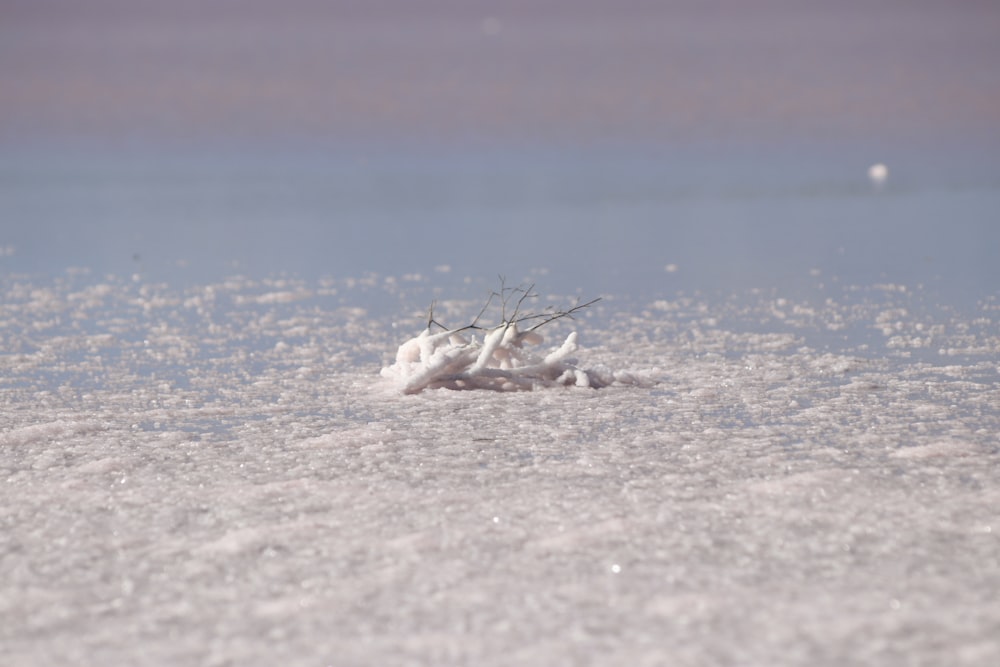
(636, 146)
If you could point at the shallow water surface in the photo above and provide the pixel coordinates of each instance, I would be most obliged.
(638, 221)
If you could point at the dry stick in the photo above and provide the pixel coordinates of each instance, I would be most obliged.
(483, 310)
(504, 295)
(559, 314)
(525, 294)
(474, 325)
(430, 317)
(503, 298)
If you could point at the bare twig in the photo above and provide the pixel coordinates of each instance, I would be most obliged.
(558, 314)
(486, 305)
(517, 308)
(430, 316)
(505, 295)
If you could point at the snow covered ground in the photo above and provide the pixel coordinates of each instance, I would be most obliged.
(217, 474)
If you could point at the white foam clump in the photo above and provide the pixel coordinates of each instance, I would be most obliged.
(501, 361)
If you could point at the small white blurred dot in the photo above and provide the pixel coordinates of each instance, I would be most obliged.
(616, 568)
(496, 519)
(671, 268)
(878, 174)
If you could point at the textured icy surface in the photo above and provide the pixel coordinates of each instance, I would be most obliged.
(219, 476)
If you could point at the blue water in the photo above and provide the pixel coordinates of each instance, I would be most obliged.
(645, 222)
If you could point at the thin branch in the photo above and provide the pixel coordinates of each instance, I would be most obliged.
(482, 311)
(560, 314)
(505, 295)
(503, 298)
(517, 308)
(430, 315)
